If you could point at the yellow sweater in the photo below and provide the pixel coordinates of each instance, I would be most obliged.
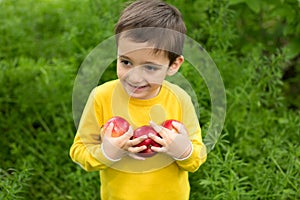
(158, 177)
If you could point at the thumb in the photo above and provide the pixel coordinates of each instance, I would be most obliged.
(180, 127)
(128, 134)
(109, 129)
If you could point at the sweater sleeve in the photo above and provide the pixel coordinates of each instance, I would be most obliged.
(86, 148)
(198, 155)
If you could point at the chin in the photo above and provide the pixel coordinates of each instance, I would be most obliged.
(137, 96)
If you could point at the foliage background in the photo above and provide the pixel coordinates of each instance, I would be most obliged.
(255, 44)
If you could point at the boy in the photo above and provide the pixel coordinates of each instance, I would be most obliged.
(150, 38)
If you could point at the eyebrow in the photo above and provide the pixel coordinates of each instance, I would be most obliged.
(145, 63)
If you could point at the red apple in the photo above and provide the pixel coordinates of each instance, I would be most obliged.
(168, 124)
(148, 142)
(121, 126)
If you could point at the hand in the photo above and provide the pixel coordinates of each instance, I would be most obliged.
(176, 145)
(114, 148)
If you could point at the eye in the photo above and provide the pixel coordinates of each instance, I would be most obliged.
(151, 68)
(125, 63)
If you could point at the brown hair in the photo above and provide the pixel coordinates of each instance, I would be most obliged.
(155, 22)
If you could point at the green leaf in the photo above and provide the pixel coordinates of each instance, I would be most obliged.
(292, 49)
(254, 5)
(233, 2)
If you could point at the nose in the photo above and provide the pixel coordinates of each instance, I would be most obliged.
(135, 75)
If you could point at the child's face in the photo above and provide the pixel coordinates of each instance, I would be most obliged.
(140, 70)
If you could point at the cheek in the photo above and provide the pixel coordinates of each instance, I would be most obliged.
(158, 79)
(120, 72)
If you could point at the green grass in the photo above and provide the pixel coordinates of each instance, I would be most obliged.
(43, 43)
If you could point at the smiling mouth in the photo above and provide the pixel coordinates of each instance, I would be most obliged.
(137, 87)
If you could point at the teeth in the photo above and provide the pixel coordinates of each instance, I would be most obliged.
(136, 86)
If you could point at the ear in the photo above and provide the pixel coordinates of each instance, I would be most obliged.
(174, 67)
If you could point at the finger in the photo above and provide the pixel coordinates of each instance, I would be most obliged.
(128, 134)
(180, 127)
(157, 128)
(157, 139)
(138, 140)
(159, 149)
(137, 149)
(108, 130)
